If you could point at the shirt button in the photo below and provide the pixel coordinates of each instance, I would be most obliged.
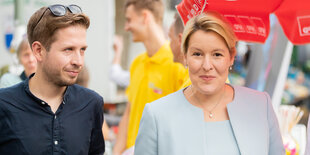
(56, 142)
(55, 117)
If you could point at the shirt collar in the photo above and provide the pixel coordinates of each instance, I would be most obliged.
(23, 76)
(26, 88)
(162, 54)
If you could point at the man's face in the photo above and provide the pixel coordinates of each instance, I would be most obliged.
(175, 44)
(134, 23)
(28, 60)
(65, 59)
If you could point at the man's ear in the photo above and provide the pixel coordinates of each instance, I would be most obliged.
(180, 38)
(148, 16)
(38, 50)
(145, 16)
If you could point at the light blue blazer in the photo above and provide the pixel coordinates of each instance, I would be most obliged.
(173, 126)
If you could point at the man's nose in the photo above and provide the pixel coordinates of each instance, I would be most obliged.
(78, 59)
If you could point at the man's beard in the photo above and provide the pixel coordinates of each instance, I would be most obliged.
(54, 76)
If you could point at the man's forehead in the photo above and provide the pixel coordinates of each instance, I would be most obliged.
(132, 10)
(71, 31)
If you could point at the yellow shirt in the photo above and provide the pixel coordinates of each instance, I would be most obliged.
(187, 81)
(151, 78)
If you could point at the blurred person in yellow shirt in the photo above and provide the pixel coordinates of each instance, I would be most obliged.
(153, 74)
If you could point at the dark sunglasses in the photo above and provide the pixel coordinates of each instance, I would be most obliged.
(60, 10)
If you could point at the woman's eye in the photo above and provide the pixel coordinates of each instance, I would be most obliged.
(218, 54)
(196, 54)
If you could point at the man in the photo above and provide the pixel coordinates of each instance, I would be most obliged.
(153, 74)
(47, 113)
(175, 35)
(25, 58)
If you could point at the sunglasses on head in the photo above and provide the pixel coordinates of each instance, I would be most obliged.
(60, 10)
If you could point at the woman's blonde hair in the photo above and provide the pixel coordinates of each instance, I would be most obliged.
(210, 22)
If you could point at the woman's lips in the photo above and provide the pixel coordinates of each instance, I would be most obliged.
(207, 77)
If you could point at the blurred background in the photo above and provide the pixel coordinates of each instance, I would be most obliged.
(277, 66)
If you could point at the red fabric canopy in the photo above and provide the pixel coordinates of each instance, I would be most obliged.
(250, 18)
(294, 17)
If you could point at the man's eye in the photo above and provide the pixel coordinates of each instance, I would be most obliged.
(68, 49)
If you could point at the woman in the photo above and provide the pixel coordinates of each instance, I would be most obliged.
(210, 116)
(27, 59)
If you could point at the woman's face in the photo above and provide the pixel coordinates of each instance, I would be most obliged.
(208, 61)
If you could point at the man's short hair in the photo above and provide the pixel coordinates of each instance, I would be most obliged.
(155, 6)
(44, 30)
(178, 24)
(23, 45)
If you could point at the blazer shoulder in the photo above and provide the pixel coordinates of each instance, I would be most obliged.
(170, 101)
(251, 96)
(244, 91)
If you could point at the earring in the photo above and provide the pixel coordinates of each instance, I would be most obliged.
(186, 66)
(230, 67)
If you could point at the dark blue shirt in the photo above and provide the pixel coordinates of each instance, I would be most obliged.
(28, 125)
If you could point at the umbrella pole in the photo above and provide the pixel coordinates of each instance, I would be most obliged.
(282, 76)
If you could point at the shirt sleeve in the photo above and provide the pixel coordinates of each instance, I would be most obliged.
(275, 139)
(97, 145)
(146, 142)
(119, 76)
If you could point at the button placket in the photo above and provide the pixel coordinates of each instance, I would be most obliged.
(56, 134)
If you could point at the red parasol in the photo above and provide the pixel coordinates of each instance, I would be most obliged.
(250, 18)
(294, 17)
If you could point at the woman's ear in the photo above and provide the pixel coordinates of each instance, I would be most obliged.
(184, 58)
(37, 50)
(180, 38)
(233, 53)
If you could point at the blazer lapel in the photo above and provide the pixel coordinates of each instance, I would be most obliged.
(239, 126)
(244, 124)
